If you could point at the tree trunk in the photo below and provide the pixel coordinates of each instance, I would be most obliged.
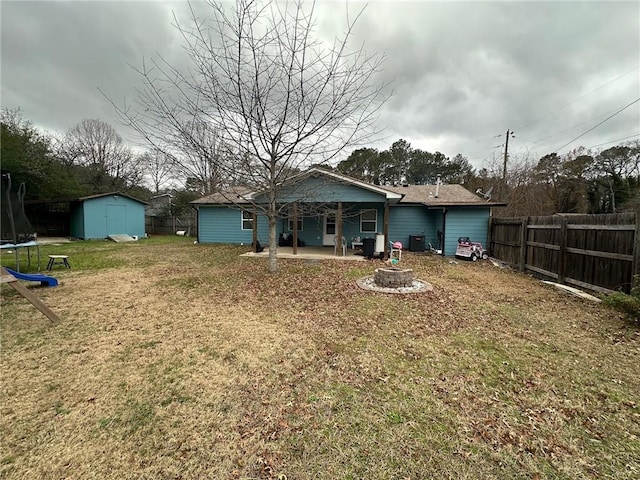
(295, 228)
(273, 244)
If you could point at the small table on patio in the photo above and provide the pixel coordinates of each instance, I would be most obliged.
(355, 244)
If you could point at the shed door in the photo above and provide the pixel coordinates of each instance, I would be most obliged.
(116, 219)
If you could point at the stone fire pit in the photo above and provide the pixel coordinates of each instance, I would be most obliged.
(393, 277)
(393, 280)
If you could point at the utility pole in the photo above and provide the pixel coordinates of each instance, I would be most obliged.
(506, 155)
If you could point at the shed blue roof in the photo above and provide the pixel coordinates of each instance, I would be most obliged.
(100, 195)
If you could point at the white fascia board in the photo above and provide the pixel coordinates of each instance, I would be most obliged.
(374, 188)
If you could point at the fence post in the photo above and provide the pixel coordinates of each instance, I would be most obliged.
(523, 243)
(563, 246)
(635, 281)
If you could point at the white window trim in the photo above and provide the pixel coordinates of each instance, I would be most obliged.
(243, 219)
(375, 227)
(290, 224)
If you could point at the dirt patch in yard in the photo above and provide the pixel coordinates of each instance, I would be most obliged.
(208, 366)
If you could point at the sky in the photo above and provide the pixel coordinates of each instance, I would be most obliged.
(461, 73)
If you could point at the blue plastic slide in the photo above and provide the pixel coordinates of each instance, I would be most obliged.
(44, 280)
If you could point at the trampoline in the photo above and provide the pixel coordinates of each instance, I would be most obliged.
(17, 232)
(26, 245)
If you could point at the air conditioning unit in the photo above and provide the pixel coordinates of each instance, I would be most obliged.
(417, 243)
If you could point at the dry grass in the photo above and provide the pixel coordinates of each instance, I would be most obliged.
(176, 360)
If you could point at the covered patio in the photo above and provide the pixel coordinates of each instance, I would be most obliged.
(312, 253)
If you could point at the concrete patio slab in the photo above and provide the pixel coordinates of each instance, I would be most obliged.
(309, 253)
(53, 240)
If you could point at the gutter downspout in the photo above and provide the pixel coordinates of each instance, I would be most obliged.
(444, 234)
(197, 209)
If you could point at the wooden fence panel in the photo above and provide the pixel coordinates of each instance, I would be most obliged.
(543, 245)
(599, 252)
(505, 239)
(170, 225)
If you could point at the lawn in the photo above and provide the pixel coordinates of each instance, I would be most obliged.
(183, 361)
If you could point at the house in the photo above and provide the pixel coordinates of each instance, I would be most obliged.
(323, 203)
(446, 212)
(98, 216)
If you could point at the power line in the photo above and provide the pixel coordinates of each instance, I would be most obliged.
(578, 98)
(596, 126)
(614, 141)
(560, 132)
(546, 115)
(478, 140)
(484, 150)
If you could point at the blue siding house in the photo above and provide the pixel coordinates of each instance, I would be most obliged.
(98, 216)
(327, 202)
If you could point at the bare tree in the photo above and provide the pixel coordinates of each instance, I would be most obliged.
(198, 159)
(519, 189)
(204, 160)
(96, 145)
(158, 167)
(280, 97)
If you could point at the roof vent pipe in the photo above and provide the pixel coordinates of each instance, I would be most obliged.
(437, 185)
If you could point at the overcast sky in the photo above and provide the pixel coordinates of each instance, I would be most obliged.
(462, 72)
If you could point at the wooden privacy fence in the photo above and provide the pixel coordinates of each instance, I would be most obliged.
(169, 225)
(597, 252)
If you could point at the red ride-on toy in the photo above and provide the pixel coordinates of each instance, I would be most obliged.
(470, 250)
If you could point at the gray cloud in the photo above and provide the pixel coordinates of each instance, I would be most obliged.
(55, 55)
(462, 72)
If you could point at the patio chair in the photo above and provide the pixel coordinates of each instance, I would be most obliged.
(344, 246)
(395, 250)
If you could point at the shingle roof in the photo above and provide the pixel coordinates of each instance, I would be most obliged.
(447, 195)
(233, 195)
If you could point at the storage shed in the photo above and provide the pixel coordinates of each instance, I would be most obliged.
(106, 214)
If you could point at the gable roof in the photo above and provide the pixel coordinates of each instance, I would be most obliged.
(100, 195)
(448, 195)
(239, 195)
(315, 171)
(243, 195)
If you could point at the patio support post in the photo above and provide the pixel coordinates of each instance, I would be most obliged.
(295, 228)
(444, 231)
(338, 239)
(254, 219)
(386, 229)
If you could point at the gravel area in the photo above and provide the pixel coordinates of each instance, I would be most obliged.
(418, 286)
